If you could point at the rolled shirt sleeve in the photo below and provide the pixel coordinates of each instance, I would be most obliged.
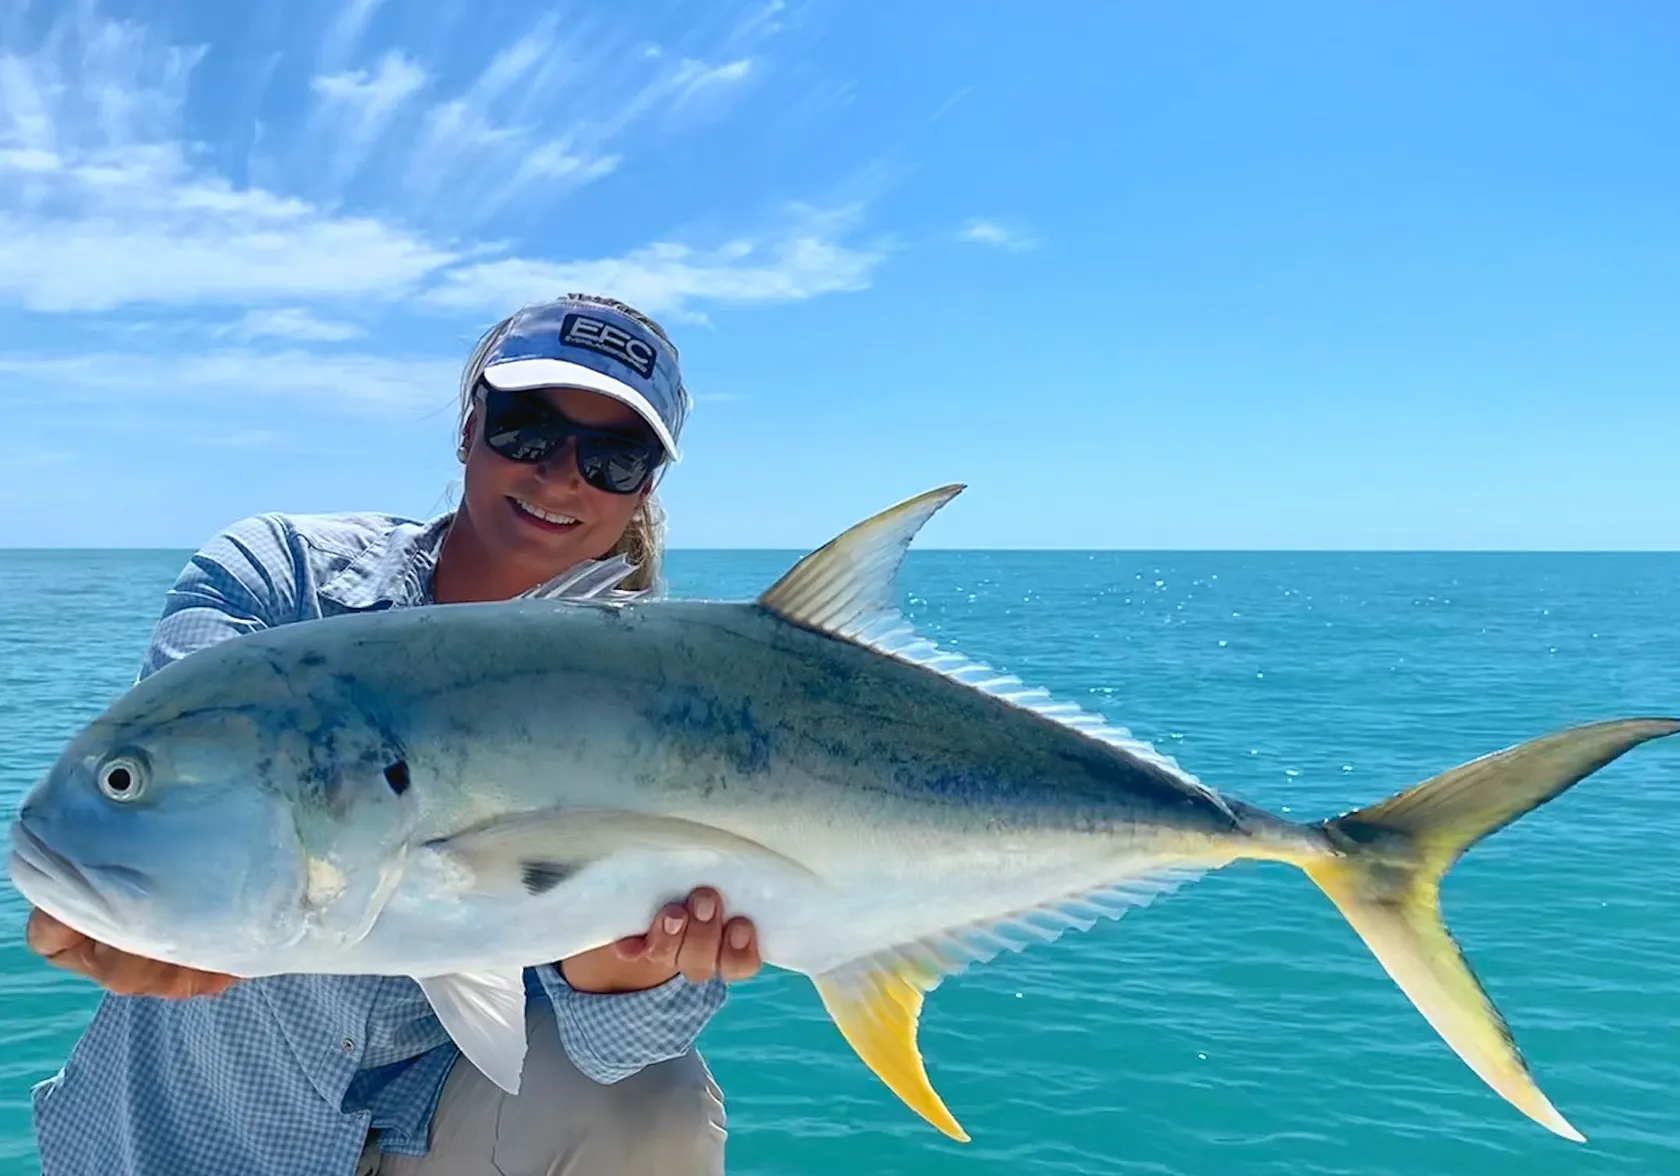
(242, 581)
(610, 1036)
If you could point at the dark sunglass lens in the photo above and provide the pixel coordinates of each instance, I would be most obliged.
(612, 464)
(524, 445)
(526, 428)
(521, 428)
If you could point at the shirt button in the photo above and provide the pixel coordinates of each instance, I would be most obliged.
(347, 1045)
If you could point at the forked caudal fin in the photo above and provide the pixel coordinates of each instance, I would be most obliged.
(1384, 873)
(1387, 879)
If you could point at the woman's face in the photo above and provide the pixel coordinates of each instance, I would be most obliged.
(542, 518)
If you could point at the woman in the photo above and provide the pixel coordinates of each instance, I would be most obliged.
(569, 411)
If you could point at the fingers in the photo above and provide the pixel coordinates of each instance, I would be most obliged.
(713, 947)
(48, 937)
(117, 971)
(631, 948)
(131, 975)
(698, 957)
(693, 939)
(740, 958)
(665, 938)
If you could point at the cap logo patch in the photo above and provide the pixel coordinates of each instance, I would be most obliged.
(579, 330)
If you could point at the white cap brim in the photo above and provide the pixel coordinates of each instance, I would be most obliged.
(522, 375)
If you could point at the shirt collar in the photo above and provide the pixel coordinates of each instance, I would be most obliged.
(394, 570)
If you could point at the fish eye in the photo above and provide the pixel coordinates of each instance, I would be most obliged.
(122, 778)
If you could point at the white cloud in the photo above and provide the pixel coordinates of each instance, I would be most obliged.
(761, 21)
(666, 277)
(985, 232)
(696, 78)
(291, 322)
(359, 105)
(109, 204)
(483, 147)
(499, 140)
(108, 261)
(354, 383)
(345, 31)
(104, 203)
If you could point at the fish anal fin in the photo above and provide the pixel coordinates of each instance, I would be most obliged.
(876, 1001)
(876, 1004)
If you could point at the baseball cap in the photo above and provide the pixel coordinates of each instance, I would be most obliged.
(576, 343)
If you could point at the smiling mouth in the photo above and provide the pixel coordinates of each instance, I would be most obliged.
(548, 520)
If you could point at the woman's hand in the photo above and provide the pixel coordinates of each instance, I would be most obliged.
(694, 940)
(117, 971)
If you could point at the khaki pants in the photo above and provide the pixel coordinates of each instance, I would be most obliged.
(667, 1120)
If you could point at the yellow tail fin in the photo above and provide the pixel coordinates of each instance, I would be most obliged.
(1386, 882)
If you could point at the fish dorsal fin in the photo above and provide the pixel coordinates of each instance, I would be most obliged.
(850, 580)
(590, 579)
(846, 589)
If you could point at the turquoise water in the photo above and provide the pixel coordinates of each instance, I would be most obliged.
(1237, 1026)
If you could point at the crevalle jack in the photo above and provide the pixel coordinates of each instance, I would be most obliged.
(455, 792)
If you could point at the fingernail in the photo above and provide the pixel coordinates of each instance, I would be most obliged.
(738, 936)
(673, 924)
(704, 908)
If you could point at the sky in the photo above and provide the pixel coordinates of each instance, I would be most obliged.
(1299, 275)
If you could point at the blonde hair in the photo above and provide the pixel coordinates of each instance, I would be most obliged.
(643, 540)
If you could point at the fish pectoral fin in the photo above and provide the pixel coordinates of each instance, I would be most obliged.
(590, 579)
(876, 1004)
(484, 1014)
(538, 851)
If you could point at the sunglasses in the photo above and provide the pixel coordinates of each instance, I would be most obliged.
(524, 427)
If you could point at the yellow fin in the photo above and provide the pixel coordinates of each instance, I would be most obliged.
(875, 1003)
(1386, 878)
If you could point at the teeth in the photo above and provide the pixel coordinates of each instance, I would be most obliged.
(546, 516)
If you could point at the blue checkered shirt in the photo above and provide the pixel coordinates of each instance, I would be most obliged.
(286, 1075)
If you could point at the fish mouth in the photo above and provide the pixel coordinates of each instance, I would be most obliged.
(28, 848)
(52, 881)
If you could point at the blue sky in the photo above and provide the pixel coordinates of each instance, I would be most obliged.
(1141, 275)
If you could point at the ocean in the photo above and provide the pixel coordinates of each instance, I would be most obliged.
(1237, 1025)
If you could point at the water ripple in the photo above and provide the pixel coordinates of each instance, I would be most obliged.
(1238, 1025)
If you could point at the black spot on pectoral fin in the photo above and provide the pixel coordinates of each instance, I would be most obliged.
(541, 877)
(397, 777)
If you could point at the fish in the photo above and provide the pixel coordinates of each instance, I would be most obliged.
(453, 793)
